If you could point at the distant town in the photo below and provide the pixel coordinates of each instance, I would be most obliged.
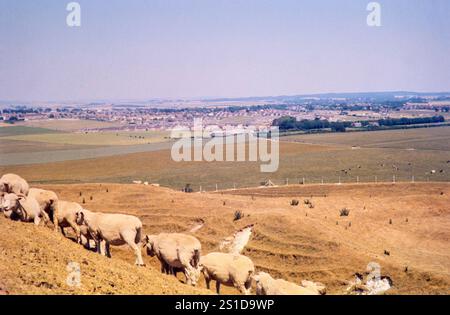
(307, 113)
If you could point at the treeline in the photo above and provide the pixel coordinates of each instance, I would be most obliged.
(291, 123)
(410, 121)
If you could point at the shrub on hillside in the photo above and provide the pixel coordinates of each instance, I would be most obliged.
(238, 214)
(344, 212)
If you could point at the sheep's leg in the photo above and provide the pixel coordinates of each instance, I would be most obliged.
(243, 289)
(136, 249)
(84, 241)
(55, 218)
(76, 229)
(165, 268)
(217, 287)
(186, 274)
(107, 249)
(97, 241)
(208, 282)
(62, 232)
(98, 246)
(45, 217)
(37, 220)
(248, 286)
(182, 257)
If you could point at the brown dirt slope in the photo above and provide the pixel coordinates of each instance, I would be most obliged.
(33, 260)
(410, 221)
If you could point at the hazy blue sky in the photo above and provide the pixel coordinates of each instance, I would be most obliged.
(144, 49)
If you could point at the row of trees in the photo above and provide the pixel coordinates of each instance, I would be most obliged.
(411, 121)
(291, 123)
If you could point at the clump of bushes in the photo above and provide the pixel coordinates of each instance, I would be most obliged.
(238, 214)
(344, 212)
(187, 188)
(294, 202)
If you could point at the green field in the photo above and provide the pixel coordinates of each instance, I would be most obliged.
(12, 130)
(69, 124)
(348, 157)
(437, 138)
(39, 136)
(297, 161)
(91, 138)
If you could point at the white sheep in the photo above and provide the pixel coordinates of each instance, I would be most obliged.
(113, 229)
(176, 252)
(228, 269)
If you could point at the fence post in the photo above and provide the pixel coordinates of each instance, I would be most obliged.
(357, 179)
(287, 181)
(322, 180)
(217, 188)
(393, 178)
(303, 181)
(376, 179)
(412, 179)
(200, 188)
(339, 180)
(234, 186)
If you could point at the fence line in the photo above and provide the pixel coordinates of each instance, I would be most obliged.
(338, 180)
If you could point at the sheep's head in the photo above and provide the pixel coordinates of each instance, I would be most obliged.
(10, 202)
(259, 279)
(149, 242)
(13, 207)
(193, 275)
(80, 217)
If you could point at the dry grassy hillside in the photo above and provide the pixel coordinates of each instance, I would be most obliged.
(33, 260)
(410, 221)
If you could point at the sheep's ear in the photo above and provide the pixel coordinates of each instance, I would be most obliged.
(6, 187)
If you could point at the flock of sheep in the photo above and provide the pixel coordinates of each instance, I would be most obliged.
(176, 252)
